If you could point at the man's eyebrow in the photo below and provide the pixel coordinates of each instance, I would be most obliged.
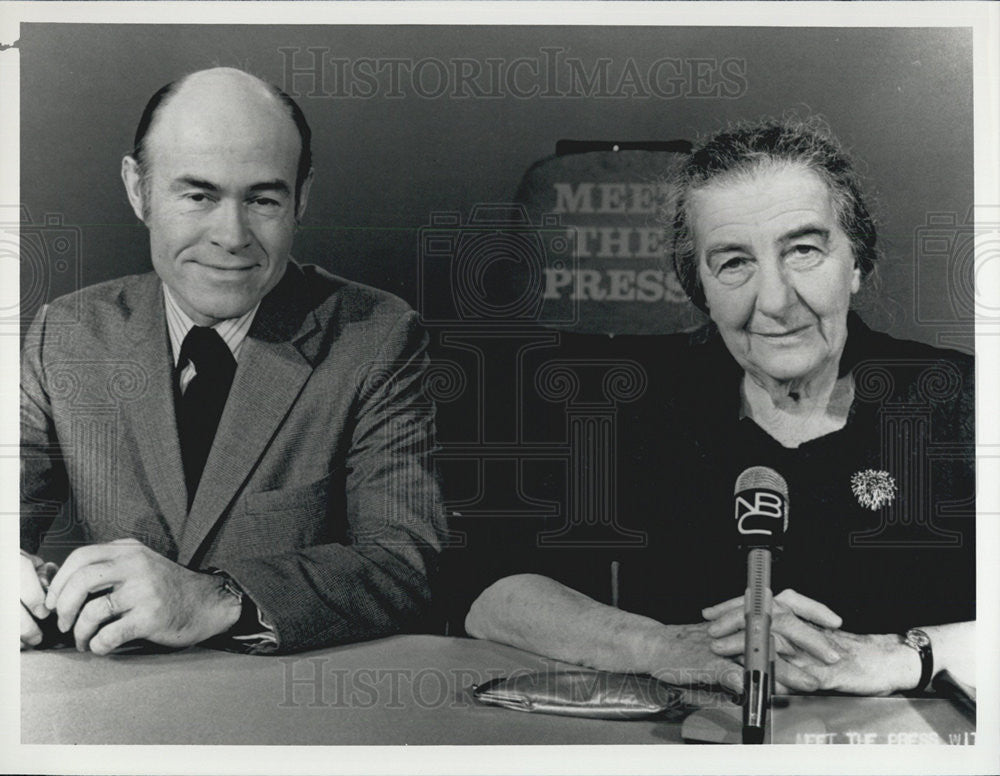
(275, 185)
(189, 181)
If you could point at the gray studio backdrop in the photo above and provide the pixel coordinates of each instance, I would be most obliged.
(410, 121)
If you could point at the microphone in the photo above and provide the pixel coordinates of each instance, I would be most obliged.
(761, 499)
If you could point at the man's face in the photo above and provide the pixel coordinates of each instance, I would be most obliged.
(220, 201)
(777, 269)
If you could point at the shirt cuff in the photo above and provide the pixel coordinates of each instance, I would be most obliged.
(264, 639)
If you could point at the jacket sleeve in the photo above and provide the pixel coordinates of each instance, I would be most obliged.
(44, 482)
(377, 581)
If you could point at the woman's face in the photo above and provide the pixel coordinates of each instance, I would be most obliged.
(777, 270)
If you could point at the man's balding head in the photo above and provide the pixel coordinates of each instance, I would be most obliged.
(222, 87)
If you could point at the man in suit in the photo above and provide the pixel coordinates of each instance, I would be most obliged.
(245, 441)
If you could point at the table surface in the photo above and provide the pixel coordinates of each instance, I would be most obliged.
(399, 690)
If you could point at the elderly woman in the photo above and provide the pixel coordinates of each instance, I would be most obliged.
(874, 436)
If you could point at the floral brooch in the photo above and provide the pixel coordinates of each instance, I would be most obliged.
(873, 489)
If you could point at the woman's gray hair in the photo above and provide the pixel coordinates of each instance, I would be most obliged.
(745, 149)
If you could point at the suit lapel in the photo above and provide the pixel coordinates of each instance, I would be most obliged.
(274, 365)
(152, 414)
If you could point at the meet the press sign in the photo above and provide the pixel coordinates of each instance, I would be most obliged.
(615, 210)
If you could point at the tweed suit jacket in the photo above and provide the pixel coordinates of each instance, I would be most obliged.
(318, 496)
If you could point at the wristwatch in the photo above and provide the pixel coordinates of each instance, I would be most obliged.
(248, 621)
(229, 585)
(917, 639)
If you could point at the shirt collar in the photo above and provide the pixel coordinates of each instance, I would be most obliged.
(233, 330)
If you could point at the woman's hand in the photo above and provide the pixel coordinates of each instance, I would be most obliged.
(871, 664)
(793, 618)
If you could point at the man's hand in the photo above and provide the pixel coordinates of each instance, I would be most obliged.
(143, 596)
(868, 665)
(35, 577)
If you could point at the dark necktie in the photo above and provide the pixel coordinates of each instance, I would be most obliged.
(200, 407)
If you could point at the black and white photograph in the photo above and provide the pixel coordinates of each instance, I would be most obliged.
(516, 383)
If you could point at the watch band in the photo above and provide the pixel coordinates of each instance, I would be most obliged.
(918, 640)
